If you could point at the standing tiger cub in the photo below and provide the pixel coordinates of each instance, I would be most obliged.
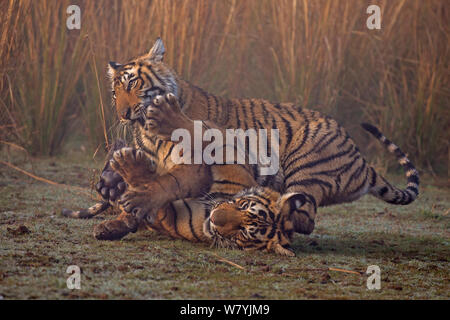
(319, 164)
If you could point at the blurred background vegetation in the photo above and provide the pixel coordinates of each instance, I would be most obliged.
(319, 54)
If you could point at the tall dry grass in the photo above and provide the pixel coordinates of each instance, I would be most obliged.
(318, 53)
(41, 75)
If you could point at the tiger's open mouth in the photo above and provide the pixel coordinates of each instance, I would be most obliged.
(135, 117)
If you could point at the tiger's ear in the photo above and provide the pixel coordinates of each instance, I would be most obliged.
(156, 53)
(112, 68)
(291, 201)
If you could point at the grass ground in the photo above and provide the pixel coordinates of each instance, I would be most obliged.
(410, 244)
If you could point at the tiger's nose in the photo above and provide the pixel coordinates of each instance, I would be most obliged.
(222, 217)
(126, 114)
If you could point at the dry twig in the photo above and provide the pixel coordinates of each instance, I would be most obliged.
(231, 263)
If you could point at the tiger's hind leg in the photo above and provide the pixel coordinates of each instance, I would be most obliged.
(117, 228)
(303, 211)
(310, 192)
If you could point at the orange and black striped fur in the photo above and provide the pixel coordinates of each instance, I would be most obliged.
(260, 218)
(255, 219)
(318, 160)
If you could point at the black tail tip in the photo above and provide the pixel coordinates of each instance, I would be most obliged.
(372, 129)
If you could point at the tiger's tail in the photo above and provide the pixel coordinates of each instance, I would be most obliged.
(380, 187)
(86, 213)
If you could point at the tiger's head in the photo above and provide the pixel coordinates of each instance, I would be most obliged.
(136, 83)
(255, 219)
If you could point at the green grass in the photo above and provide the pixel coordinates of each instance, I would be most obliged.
(410, 244)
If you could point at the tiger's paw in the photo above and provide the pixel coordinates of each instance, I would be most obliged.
(164, 116)
(133, 166)
(140, 204)
(116, 229)
(111, 185)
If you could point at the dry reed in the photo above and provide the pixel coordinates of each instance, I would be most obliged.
(319, 54)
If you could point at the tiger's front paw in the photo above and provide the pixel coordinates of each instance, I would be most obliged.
(140, 204)
(116, 229)
(164, 116)
(133, 166)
